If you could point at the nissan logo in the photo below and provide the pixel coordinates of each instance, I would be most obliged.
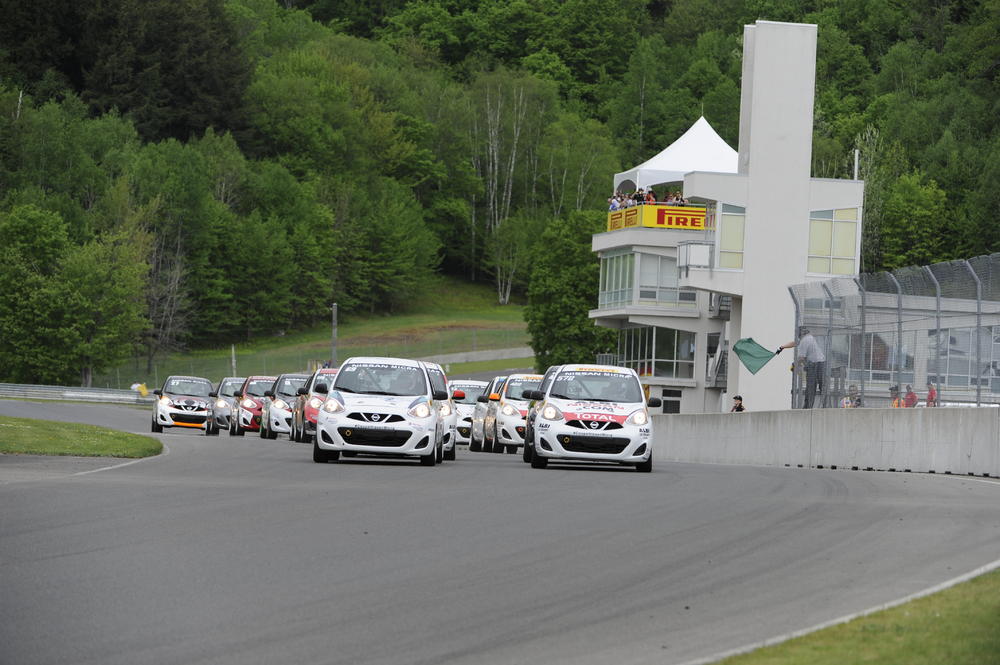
(594, 424)
(376, 417)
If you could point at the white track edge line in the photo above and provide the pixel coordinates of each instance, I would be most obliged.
(166, 451)
(982, 570)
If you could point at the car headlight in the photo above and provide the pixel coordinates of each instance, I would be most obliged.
(165, 401)
(422, 410)
(220, 404)
(332, 406)
(248, 404)
(640, 417)
(508, 410)
(445, 409)
(550, 412)
(315, 402)
(280, 404)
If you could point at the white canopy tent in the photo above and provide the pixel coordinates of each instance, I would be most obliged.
(698, 149)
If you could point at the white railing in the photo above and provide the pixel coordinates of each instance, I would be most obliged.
(73, 393)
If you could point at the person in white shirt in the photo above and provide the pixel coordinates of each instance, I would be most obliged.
(815, 361)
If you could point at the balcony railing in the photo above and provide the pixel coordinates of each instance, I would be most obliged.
(695, 254)
(659, 216)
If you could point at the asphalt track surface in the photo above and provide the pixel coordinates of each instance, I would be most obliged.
(243, 551)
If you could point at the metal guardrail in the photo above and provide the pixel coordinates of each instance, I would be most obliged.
(74, 393)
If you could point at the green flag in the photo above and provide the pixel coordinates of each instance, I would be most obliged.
(751, 354)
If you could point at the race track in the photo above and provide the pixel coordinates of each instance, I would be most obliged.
(243, 551)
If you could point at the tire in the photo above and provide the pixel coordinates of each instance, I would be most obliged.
(429, 460)
(321, 456)
(526, 454)
(271, 434)
(263, 431)
(539, 462)
(156, 427)
(240, 431)
(439, 453)
(474, 445)
(511, 450)
(450, 454)
(645, 467)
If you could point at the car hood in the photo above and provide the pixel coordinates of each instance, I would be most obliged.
(389, 402)
(601, 411)
(186, 400)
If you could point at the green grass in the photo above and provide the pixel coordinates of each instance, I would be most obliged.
(25, 436)
(453, 316)
(957, 626)
(488, 365)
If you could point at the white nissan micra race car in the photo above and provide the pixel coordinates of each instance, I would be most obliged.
(381, 406)
(590, 413)
(511, 411)
(185, 401)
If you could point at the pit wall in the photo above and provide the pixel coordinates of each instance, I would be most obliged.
(958, 441)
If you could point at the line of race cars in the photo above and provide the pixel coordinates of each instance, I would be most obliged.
(397, 407)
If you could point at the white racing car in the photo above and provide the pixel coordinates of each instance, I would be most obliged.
(594, 413)
(381, 406)
(465, 405)
(184, 401)
(511, 411)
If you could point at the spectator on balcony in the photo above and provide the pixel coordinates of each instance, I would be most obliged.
(613, 203)
(650, 196)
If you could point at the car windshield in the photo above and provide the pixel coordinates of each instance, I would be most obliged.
(515, 387)
(193, 387)
(230, 386)
(471, 392)
(256, 387)
(289, 385)
(381, 379)
(326, 378)
(596, 386)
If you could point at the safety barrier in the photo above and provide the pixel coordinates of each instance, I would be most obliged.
(73, 393)
(957, 441)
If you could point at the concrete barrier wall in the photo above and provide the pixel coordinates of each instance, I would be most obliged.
(965, 441)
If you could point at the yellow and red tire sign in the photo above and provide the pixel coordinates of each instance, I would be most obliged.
(658, 217)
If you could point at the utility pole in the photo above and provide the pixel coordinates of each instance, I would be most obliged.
(333, 342)
(232, 359)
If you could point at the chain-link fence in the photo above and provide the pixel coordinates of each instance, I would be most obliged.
(916, 336)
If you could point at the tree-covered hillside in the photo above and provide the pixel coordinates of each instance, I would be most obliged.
(226, 169)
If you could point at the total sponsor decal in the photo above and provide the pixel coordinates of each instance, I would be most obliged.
(596, 417)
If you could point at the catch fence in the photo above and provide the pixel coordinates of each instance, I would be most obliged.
(928, 327)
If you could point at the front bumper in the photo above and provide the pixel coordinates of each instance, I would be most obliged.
(414, 437)
(248, 420)
(510, 430)
(463, 433)
(629, 444)
(279, 420)
(167, 416)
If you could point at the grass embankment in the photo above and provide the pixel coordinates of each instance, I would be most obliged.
(25, 436)
(452, 317)
(957, 626)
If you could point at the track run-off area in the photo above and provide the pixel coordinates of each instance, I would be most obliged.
(239, 550)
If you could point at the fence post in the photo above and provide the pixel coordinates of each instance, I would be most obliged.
(979, 332)
(899, 331)
(798, 322)
(937, 330)
(829, 344)
(864, 337)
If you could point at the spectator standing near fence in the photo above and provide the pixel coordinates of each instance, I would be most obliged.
(814, 360)
(897, 401)
(737, 405)
(852, 400)
(910, 399)
(932, 396)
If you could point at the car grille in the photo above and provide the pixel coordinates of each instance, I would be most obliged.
(375, 417)
(606, 445)
(589, 425)
(374, 437)
(188, 418)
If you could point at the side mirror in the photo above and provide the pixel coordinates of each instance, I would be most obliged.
(440, 395)
(494, 397)
(534, 395)
(458, 394)
(654, 402)
(321, 388)
(213, 394)
(157, 392)
(483, 398)
(302, 391)
(268, 393)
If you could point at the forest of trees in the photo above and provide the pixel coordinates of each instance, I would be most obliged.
(192, 172)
